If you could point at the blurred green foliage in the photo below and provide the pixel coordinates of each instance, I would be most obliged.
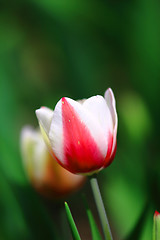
(50, 49)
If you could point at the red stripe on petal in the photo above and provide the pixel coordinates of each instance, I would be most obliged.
(80, 150)
(109, 157)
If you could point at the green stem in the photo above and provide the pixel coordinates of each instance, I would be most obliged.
(100, 208)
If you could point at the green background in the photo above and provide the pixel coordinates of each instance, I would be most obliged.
(79, 48)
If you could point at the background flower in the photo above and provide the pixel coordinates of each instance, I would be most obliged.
(46, 175)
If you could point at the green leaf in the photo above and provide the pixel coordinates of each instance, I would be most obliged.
(72, 224)
(94, 229)
(140, 226)
(13, 224)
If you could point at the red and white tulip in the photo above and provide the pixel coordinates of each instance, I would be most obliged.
(82, 134)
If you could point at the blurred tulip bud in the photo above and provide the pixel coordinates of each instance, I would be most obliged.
(45, 174)
(81, 134)
(156, 226)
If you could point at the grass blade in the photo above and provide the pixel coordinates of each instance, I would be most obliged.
(72, 224)
(94, 229)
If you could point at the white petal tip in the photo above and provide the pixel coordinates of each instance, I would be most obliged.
(37, 112)
(109, 92)
(40, 112)
(109, 96)
(26, 131)
(44, 116)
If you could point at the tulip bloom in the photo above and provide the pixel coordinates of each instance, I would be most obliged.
(82, 134)
(46, 175)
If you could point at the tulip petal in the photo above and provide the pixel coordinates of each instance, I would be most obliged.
(44, 116)
(76, 138)
(109, 158)
(56, 133)
(34, 152)
(109, 97)
(98, 107)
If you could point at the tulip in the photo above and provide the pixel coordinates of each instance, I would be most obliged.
(156, 226)
(45, 174)
(81, 134)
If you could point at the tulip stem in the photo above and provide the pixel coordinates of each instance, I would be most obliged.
(100, 208)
